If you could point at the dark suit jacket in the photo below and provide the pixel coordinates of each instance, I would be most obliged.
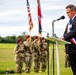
(71, 48)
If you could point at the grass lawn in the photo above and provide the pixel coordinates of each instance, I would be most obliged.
(7, 61)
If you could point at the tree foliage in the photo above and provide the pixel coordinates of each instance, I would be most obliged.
(13, 38)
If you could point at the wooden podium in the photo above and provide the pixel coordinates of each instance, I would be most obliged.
(57, 41)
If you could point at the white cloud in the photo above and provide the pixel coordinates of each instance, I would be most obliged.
(11, 30)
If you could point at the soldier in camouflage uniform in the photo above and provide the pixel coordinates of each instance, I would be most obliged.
(35, 45)
(67, 62)
(28, 54)
(44, 54)
(19, 55)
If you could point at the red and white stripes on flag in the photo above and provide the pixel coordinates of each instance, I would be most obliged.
(29, 16)
(39, 16)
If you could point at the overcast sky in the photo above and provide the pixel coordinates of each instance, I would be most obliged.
(14, 16)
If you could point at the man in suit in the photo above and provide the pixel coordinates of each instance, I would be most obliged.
(70, 35)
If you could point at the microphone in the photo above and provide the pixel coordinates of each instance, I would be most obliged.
(62, 17)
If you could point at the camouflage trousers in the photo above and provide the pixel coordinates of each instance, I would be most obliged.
(67, 63)
(43, 60)
(28, 62)
(19, 64)
(36, 62)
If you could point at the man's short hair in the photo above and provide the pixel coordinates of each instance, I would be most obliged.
(71, 6)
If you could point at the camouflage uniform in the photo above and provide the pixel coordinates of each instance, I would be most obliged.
(36, 55)
(44, 55)
(19, 57)
(28, 55)
(67, 62)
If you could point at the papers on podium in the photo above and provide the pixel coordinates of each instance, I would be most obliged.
(54, 39)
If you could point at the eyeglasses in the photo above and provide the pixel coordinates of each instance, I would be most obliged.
(68, 12)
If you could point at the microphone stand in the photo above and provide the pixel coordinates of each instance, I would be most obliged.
(62, 17)
(53, 44)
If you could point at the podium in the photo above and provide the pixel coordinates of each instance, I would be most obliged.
(57, 41)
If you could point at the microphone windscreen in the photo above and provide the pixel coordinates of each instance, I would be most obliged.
(62, 17)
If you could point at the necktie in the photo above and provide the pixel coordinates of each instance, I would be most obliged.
(70, 21)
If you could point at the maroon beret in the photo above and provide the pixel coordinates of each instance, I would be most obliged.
(27, 36)
(35, 37)
(19, 40)
(42, 38)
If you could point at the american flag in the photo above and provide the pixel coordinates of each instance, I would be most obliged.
(29, 16)
(39, 16)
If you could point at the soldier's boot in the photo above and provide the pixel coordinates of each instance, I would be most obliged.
(19, 71)
(68, 64)
(65, 64)
(36, 70)
(27, 71)
(43, 68)
(36, 67)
